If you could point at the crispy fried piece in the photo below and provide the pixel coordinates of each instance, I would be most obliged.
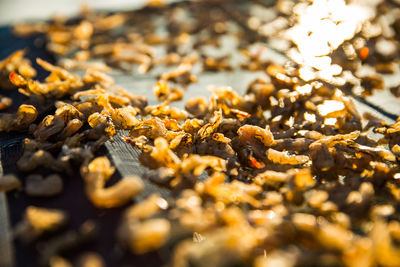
(37, 186)
(96, 174)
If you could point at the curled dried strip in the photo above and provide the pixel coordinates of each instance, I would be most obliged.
(37, 186)
(151, 128)
(97, 173)
(196, 164)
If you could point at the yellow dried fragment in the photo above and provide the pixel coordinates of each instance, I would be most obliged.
(96, 174)
(9, 182)
(279, 157)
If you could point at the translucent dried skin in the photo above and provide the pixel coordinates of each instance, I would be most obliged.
(163, 155)
(151, 128)
(9, 183)
(197, 106)
(15, 63)
(166, 94)
(38, 221)
(97, 173)
(20, 121)
(37, 186)
(125, 117)
(252, 135)
(279, 157)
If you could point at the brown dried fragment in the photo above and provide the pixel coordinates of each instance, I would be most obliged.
(197, 106)
(180, 75)
(166, 94)
(38, 186)
(25, 115)
(38, 221)
(96, 174)
(9, 182)
(321, 157)
(31, 160)
(217, 64)
(5, 102)
(15, 63)
(210, 127)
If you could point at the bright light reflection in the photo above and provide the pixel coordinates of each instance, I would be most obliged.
(322, 26)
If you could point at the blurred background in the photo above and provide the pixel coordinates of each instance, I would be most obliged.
(17, 10)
